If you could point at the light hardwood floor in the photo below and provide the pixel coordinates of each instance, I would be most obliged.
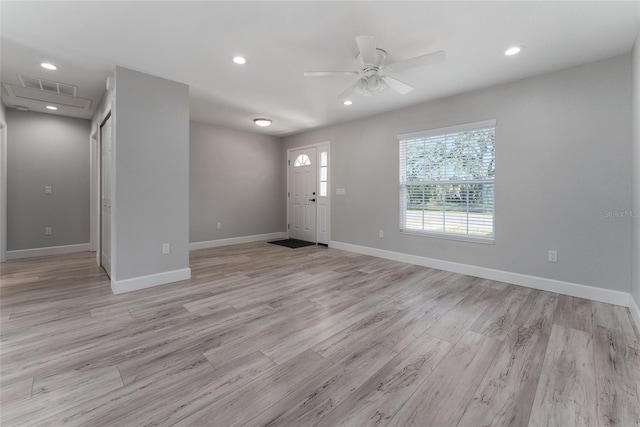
(265, 335)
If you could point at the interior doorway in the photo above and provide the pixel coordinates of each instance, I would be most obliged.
(105, 194)
(3, 192)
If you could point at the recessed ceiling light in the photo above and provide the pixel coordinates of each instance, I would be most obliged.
(512, 51)
(51, 107)
(348, 102)
(262, 122)
(239, 60)
(21, 108)
(48, 66)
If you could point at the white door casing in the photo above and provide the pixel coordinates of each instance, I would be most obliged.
(303, 169)
(3, 192)
(105, 194)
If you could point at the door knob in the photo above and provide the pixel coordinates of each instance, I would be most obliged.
(312, 200)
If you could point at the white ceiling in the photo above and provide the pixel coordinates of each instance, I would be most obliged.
(193, 43)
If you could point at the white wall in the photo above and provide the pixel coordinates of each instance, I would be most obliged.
(635, 284)
(150, 204)
(563, 158)
(235, 178)
(52, 150)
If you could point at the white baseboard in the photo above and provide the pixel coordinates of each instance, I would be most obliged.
(566, 288)
(51, 250)
(143, 282)
(236, 240)
(635, 311)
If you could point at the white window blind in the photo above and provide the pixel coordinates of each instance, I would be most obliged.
(447, 181)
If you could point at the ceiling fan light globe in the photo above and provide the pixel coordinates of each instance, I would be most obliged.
(372, 84)
(361, 86)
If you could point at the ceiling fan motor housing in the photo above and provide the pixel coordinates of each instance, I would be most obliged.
(381, 55)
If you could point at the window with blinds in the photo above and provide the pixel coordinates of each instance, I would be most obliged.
(447, 181)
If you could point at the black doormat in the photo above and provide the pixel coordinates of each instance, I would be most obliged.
(292, 243)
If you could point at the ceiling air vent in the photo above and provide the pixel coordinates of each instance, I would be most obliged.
(34, 91)
(48, 85)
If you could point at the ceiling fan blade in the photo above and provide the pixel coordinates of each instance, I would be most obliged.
(348, 92)
(330, 73)
(397, 85)
(367, 47)
(418, 61)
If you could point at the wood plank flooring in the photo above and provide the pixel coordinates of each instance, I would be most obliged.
(264, 335)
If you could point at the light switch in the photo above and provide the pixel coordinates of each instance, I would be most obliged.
(48, 231)
(48, 189)
(166, 248)
(340, 192)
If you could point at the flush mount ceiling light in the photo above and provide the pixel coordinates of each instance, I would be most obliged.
(48, 66)
(347, 102)
(239, 60)
(262, 122)
(51, 107)
(512, 51)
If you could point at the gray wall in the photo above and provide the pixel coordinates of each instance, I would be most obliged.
(151, 152)
(45, 149)
(635, 284)
(563, 158)
(235, 179)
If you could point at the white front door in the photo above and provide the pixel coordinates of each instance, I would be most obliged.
(302, 194)
(105, 193)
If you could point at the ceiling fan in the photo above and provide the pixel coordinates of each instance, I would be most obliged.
(374, 74)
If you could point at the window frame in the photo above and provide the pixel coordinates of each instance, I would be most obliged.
(403, 184)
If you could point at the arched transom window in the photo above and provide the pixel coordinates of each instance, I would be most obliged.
(302, 160)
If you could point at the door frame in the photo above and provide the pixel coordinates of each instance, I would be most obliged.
(3, 192)
(322, 146)
(96, 182)
(96, 232)
(94, 179)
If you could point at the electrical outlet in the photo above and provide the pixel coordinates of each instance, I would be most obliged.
(381, 234)
(166, 248)
(218, 226)
(48, 189)
(553, 256)
(48, 231)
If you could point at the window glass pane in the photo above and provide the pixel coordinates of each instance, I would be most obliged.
(323, 189)
(323, 158)
(302, 160)
(323, 173)
(446, 183)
